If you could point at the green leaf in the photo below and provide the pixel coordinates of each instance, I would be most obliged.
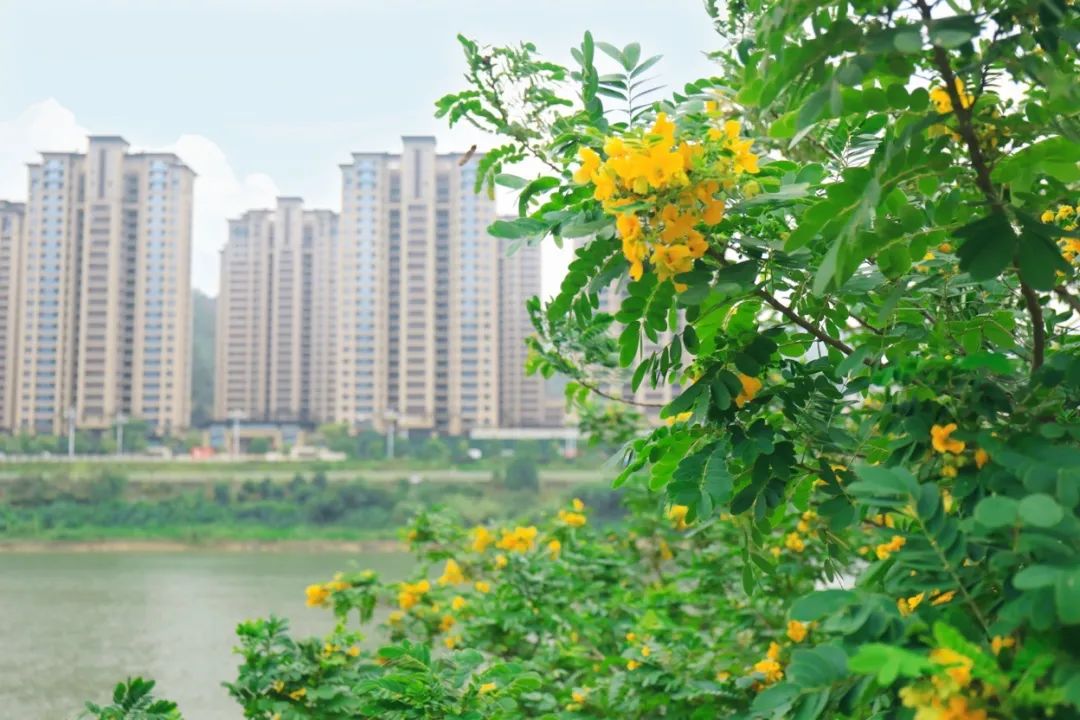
(513, 182)
(1067, 597)
(517, 228)
(818, 604)
(996, 511)
(1034, 577)
(988, 246)
(908, 39)
(628, 344)
(887, 662)
(1040, 510)
(952, 32)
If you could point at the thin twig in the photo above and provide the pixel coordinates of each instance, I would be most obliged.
(604, 394)
(1073, 302)
(805, 324)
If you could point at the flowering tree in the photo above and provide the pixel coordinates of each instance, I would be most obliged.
(853, 253)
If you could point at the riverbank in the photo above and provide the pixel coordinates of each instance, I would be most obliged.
(162, 545)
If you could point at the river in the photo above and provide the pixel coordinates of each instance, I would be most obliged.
(73, 624)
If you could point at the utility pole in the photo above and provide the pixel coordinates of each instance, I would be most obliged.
(391, 430)
(120, 420)
(236, 416)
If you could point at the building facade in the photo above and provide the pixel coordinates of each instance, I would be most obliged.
(103, 314)
(417, 294)
(11, 244)
(523, 400)
(275, 345)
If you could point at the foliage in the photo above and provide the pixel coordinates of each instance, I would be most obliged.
(132, 700)
(852, 256)
(564, 618)
(522, 474)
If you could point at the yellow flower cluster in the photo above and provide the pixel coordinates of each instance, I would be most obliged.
(939, 438)
(481, 538)
(796, 631)
(943, 103)
(770, 667)
(572, 519)
(885, 550)
(676, 183)
(906, 606)
(318, 594)
(452, 575)
(520, 539)
(411, 593)
(1066, 217)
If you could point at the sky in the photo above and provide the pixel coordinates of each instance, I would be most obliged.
(267, 97)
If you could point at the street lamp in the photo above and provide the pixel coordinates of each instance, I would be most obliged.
(390, 416)
(120, 420)
(236, 416)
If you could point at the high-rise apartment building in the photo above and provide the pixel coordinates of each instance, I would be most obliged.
(277, 321)
(417, 291)
(523, 402)
(11, 244)
(103, 314)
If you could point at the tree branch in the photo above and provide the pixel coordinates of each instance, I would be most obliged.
(804, 324)
(985, 183)
(604, 394)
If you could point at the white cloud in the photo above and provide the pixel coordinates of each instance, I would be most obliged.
(219, 193)
(45, 125)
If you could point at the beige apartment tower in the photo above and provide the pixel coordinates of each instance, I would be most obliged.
(523, 402)
(417, 294)
(276, 318)
(11, 244)
(103, 314)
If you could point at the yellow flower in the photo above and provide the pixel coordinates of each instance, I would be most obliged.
(1064, 212)
(631, 637)
(554, 547)
(1047, 216)
(958, 666)
(794, 543)
(481, 538)
(677, 514)
(577, 504)
(353, 651)
(579, 696)
(796, 631)
(943, 103)
(614, 147)
(395, 617)
(770, 669)
(745, 161)
(981, 458)
(446, 623)
(632, 664)
(714, 212)
(410, 593)
(629, 226)
(452, 575)
(605, 186)
(316, 595)
(885, 550)
(500, 561)
(949, 471)
(482, 586)
(943, 598)
(751, 386)
(722, 676)
(665, 551)
(572, 519)
(590, 163)
(645, 651)
(520, 539)
(487, 688)
(939, 438)
(999, 643)
(278, 685)
(297, 694)
(906, 606)
(671, 260)
(945, 247)
(457, 603)
(665, 129)
(773, 653)
(775, 551)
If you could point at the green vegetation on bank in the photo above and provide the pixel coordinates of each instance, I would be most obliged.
(305, 507)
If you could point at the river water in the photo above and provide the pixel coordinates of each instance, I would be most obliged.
(73, 624)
